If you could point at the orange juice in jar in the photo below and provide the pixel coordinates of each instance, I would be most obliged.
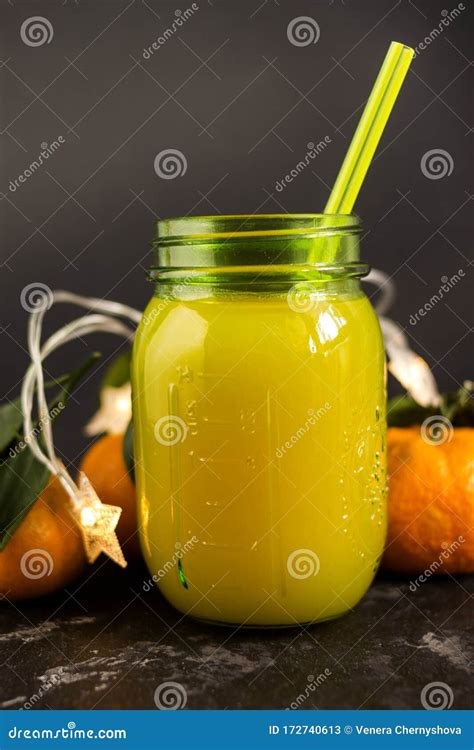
(259, 418)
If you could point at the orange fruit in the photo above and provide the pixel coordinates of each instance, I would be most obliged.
(105, 468)
(46, 551)
(431, 502)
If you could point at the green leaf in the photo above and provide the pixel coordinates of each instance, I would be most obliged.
(458, 407)
(127, 448)
(119, 371)
(22, 479)
(404, 411)
(70, 381)
(11, 417)
(11, 420)
(22, 476)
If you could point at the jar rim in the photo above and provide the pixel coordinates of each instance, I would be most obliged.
(184, 228)
(236, 240)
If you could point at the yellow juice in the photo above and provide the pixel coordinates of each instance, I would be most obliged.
(260, 453)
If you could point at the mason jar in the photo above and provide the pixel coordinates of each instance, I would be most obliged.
(259, 419)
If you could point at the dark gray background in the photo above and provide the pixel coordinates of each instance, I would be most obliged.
(241, 102)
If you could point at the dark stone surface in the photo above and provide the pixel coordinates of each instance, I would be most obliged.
(110, 645)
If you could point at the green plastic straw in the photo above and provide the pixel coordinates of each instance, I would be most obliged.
(370, 129)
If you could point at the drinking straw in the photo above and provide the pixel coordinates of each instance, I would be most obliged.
(370, 128)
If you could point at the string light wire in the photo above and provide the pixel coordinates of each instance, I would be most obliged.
(97, 521)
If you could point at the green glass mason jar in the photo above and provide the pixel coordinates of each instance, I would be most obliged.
(259, 415)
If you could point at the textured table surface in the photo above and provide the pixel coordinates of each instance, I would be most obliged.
(109, 644)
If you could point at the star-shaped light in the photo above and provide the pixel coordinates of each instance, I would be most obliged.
(97, 522)
(115, 411)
